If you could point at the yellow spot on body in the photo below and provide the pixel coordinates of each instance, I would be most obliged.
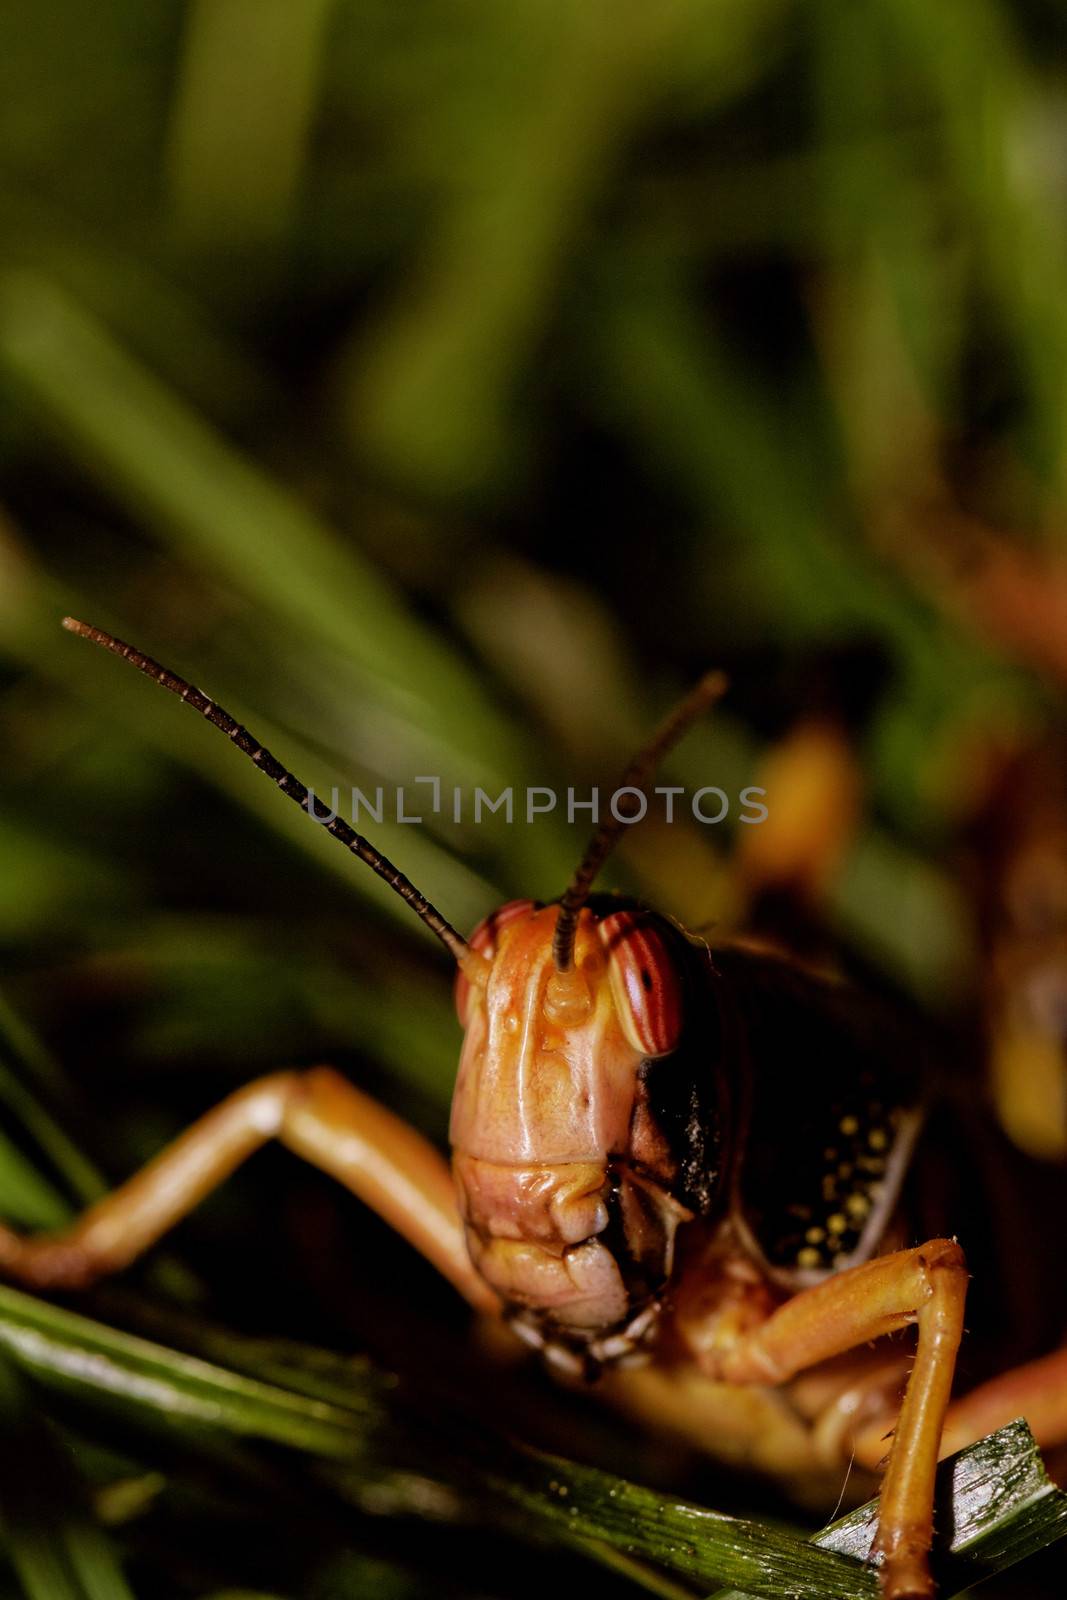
(815, 1235)
(877, 1139)
(845, 1170)
(838, 1223)
(857, 1205)
(849, 1126)
(808, 1257)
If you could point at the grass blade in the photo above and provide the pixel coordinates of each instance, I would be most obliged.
(371, 1447)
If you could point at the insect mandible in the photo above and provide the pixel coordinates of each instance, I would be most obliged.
(676, 1166)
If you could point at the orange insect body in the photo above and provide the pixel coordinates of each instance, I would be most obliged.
(657, 1153)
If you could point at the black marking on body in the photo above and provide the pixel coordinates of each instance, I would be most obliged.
(686, 1093)
(832, 1083)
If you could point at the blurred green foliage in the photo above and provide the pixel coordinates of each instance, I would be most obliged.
(443, 386)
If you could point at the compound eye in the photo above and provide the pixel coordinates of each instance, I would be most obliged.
(645, 981)
(484, 940)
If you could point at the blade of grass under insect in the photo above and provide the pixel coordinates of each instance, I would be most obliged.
(520, 1488)
(997, 1500)
(586, 1507)
(364, 1437)
(72, 1353)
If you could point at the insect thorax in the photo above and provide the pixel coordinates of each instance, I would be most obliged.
(829, 1090)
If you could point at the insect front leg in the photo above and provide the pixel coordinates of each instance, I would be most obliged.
(319, 1115)
(926, 1286)
(1037, 1391)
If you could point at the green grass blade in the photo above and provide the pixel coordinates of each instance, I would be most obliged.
(165, 462)
(70, 1353)
(22, 1056)
(995, 1506)
(373, 1449)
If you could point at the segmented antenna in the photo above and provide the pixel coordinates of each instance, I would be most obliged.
(453, 942)
(710, 688)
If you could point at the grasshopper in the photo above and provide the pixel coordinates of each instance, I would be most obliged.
(675, 1168)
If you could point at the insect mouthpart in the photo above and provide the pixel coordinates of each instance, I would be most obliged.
(572, 1355)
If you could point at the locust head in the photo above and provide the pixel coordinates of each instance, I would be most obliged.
(565, 1179)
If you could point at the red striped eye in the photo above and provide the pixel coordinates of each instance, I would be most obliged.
(484, 940)
(644, 981)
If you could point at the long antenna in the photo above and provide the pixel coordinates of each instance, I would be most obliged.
(710, 688)
(453, 942)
